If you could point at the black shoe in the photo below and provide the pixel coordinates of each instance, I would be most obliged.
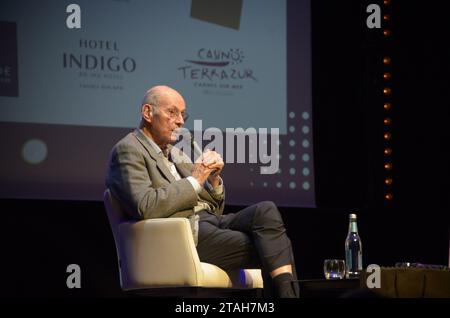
(286, 290)
(285, 286)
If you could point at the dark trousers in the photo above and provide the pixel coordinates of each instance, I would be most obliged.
(254, 237)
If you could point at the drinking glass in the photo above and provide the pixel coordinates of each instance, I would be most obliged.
(334, 268)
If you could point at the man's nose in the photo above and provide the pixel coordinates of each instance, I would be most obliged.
(180, 120)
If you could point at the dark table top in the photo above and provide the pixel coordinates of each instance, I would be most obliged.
(327, 288)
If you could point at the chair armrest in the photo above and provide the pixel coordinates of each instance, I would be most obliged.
(158, 252)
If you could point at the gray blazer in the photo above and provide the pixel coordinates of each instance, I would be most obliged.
(138, 177)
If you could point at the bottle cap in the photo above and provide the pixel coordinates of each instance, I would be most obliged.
(353, 216)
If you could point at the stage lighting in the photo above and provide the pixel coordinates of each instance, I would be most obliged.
(387, 151)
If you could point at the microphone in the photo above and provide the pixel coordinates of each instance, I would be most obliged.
(199, 152)
(194, 146)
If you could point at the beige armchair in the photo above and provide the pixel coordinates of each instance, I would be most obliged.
(160, 253)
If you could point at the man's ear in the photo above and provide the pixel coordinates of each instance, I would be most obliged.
(147, 112)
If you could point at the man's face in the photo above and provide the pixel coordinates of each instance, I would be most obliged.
(167, 118)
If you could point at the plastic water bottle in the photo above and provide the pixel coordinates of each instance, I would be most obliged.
(353, 250)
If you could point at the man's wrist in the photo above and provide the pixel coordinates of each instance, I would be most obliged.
(214, 181)
(195, 184)
(218, 189)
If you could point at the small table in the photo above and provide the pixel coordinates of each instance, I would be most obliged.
(325, 288)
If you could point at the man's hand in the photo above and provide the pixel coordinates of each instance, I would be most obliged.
(213, 161)
(208, 166)
(201, 172)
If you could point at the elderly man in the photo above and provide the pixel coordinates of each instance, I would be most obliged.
(149, 183)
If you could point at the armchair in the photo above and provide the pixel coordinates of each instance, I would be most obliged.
(160, 254)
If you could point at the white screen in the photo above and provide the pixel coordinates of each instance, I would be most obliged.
(77, 91)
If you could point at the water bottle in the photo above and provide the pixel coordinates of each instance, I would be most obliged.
(353, 250)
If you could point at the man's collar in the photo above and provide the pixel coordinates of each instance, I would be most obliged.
(155, 145)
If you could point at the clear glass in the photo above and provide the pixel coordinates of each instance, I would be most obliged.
(334, 268)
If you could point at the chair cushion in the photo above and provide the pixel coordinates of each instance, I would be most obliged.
(213, 276)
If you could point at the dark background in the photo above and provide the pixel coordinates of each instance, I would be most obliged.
(41, 238)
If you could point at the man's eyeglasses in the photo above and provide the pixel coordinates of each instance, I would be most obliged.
(174, 113)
